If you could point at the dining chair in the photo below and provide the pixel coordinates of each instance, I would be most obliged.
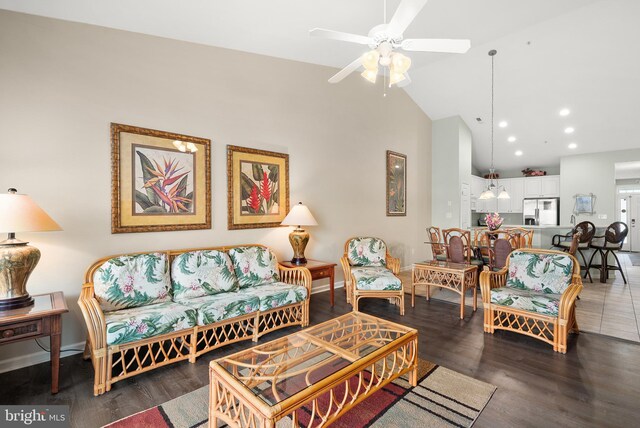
(525, 236)
(437, 248)
(614, 237)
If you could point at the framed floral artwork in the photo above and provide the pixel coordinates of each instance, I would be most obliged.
(396, 184)
(160, 181)
(257, 188)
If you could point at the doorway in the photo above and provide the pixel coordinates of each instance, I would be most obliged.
(628, 212)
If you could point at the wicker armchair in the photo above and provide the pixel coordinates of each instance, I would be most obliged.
(371, 272)
(534, 294)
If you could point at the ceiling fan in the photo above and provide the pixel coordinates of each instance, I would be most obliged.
(384, 41)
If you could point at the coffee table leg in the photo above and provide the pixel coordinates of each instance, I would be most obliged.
(462, 296)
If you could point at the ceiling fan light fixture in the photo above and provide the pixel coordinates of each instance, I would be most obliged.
(370, 60)
(395, 77)
(370, 75)
(401, 63)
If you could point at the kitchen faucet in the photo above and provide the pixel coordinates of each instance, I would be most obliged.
(573, 220)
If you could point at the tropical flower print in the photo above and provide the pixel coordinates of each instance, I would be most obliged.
(527, 300)
(129, 325)
(367, 252)
(254, 265)
(131, 281)
(543, 273)
(218, 307)
(375, 278)
(200, 273)
(277, 294)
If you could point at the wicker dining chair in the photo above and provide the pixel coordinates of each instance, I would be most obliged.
(525, 236)
(614, 237)
(486, 239)
(435, 239)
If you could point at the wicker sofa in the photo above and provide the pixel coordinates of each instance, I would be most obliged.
(147, 310)
(534, 294)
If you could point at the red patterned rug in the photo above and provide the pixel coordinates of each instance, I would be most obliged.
(443, 398)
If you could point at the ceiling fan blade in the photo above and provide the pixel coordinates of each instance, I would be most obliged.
(436, 45)
(339, 35)
(346, 71)
(404, 82)
(405, 14)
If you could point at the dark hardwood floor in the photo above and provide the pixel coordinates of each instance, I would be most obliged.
(597, 383)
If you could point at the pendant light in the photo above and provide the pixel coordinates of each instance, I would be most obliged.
(492, 188)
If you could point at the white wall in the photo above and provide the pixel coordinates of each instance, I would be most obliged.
(591, 173)
(450, 167)
(63, 83)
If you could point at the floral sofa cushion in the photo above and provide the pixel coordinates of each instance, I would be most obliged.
(545, 273)
(254, 265)
(129, 325)
(528, 300)
(367, 252)
(278, 294)
(200, 273)
(375, 278)
(132, 280)
(218, 307)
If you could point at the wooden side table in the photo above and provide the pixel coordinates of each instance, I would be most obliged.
(43, 318)
(318, 270)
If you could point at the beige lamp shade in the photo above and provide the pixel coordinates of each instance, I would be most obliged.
(18, 213)
(299, 216)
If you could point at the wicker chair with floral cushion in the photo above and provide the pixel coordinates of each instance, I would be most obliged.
(534, 294)
(370, 271)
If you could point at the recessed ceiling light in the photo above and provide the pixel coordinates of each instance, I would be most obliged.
(503, 124)
(565, 112)
(569, 130)
(518, 152)
(573, 145)
(511, 139)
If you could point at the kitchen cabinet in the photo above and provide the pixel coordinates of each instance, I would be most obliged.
(546, 186)
(516, 191)
(477, 186)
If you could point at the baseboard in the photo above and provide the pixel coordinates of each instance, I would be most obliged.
(37, 357)
(325, 287)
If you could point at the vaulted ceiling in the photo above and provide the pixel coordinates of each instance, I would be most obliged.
(552, 54)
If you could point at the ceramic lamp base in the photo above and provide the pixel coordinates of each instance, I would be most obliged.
(299, 239)
(17, 261)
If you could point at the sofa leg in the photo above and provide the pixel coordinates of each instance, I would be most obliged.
(193, 348)
(401, 302)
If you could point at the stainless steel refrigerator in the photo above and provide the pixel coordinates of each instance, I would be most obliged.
(541, 211)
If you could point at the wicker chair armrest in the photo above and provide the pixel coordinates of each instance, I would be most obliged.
(490, 280)
(93, 318)
(568, 299)
(299, 275)
(346, 268)
(393, 264)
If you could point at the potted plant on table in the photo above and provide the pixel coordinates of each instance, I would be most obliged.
(493, 221)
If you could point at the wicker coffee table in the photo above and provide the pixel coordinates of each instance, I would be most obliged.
(456, 277)
(327, 369)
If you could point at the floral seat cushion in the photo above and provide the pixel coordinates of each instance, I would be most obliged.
(527, 300)
(541, 272)
(278, 294)
(367, 252)
(218, 307)
(375, 278)
(200, 273)
(131, 281)
(129, 325)
(254, 265)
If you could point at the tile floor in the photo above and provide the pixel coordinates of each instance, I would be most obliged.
(611, 308)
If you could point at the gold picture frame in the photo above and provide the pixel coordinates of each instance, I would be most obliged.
(396, 184)
(155, 186)
(257, 188)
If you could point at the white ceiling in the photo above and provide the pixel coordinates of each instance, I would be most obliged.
(579, 54)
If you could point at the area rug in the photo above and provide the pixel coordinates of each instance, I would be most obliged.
(443, 398)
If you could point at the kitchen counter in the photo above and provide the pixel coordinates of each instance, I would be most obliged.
(534, 227)
(542, 234)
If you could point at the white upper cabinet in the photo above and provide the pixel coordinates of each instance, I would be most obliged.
(516, 191)
(541, 187)
(477, 186)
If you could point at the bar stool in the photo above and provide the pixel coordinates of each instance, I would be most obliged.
(564, 242)
(614, 237)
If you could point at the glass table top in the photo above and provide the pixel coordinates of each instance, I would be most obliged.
(279, 369)
(444, 264)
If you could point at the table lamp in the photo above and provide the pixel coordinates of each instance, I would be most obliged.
(299, 216)
(18, 213)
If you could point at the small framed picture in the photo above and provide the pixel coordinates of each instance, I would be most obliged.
(161, 181)
(585, 204)
(257, 188)
(396, 184)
